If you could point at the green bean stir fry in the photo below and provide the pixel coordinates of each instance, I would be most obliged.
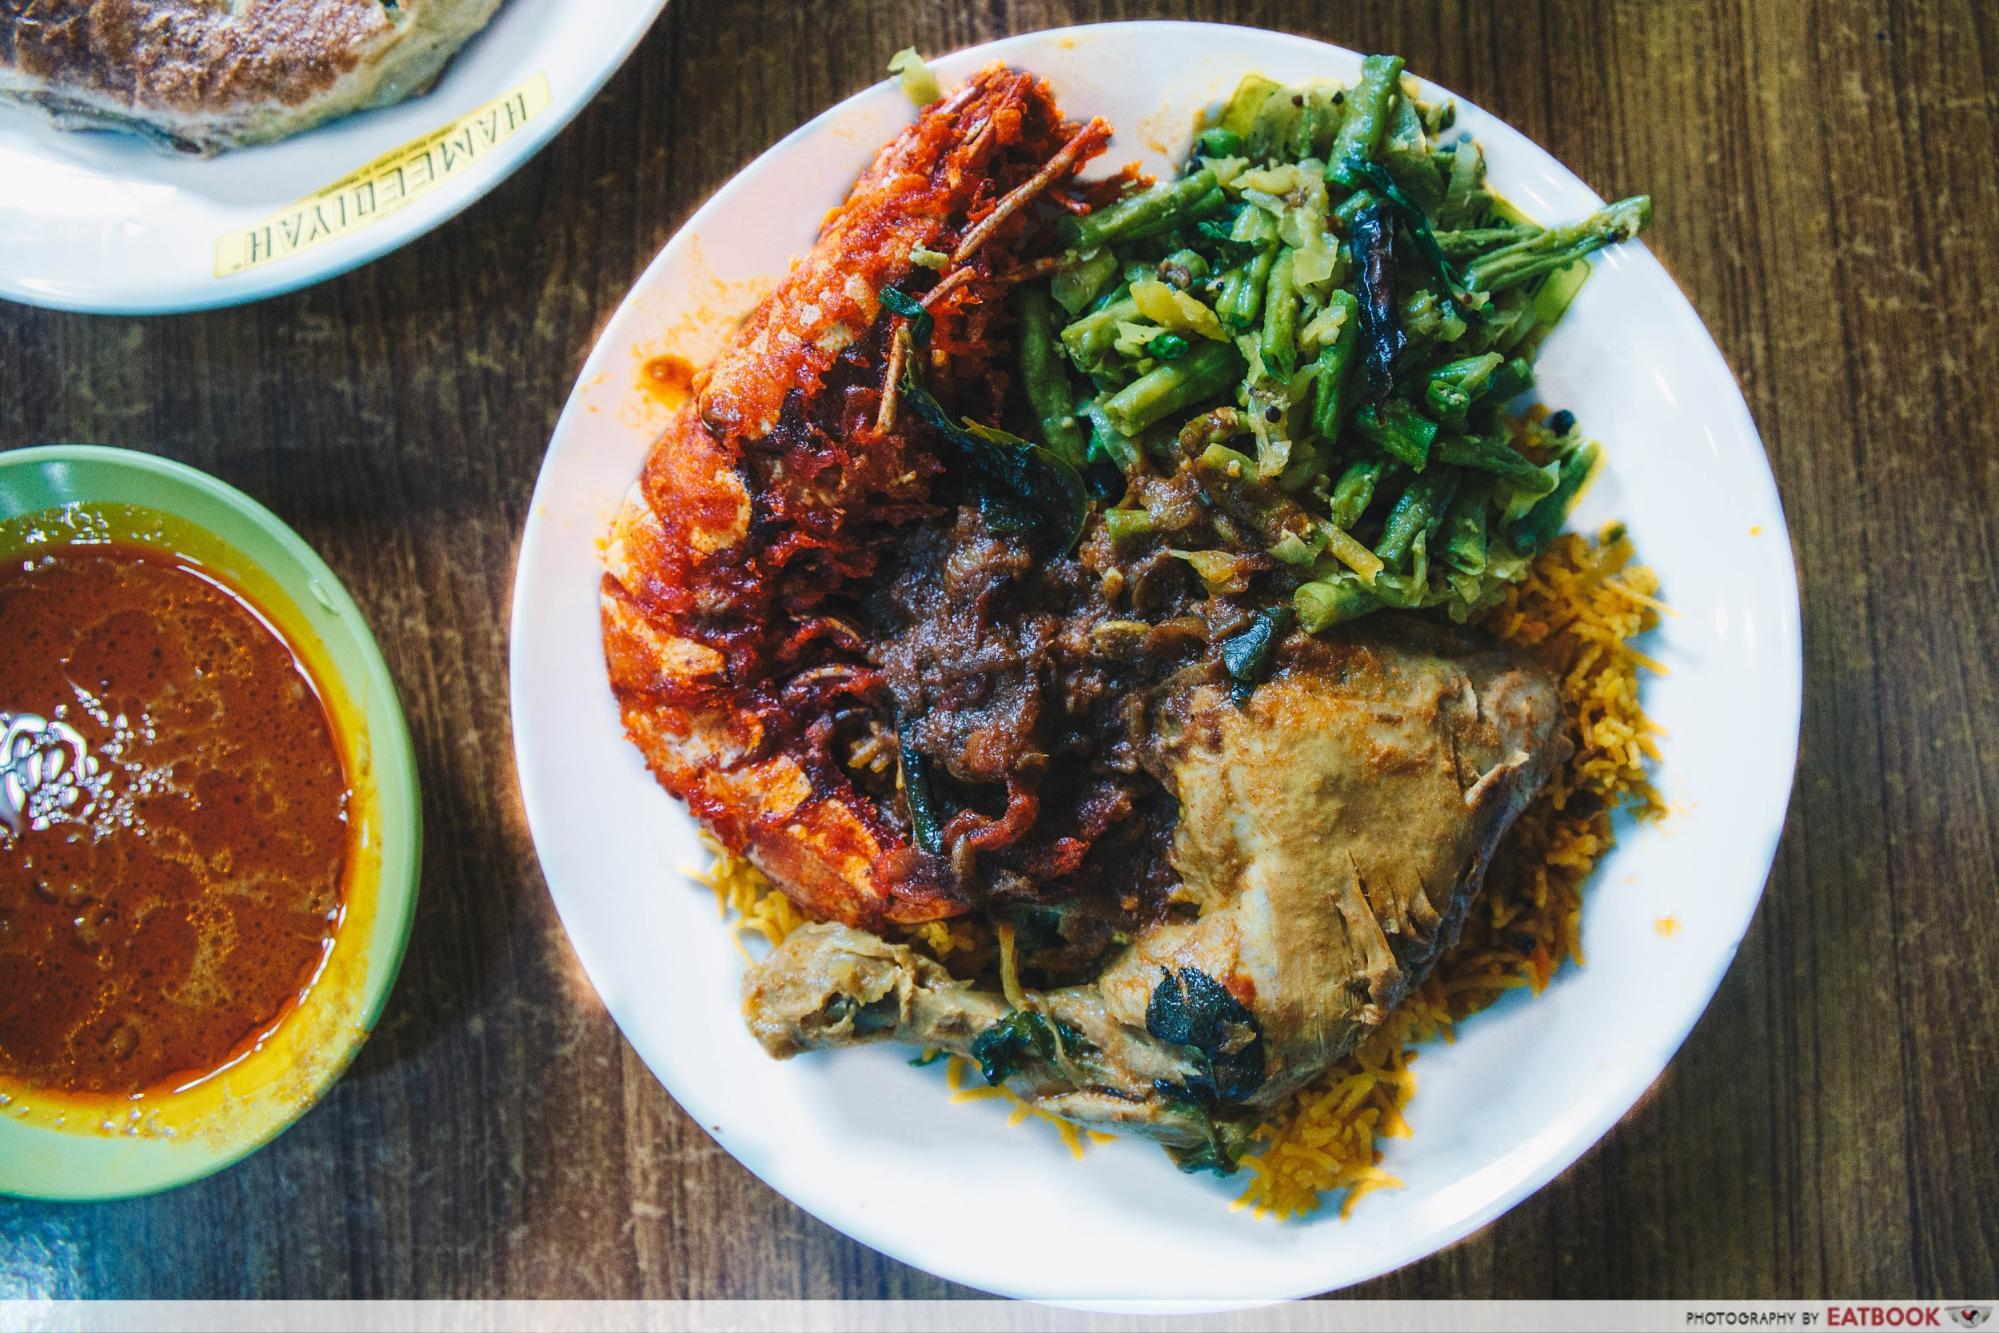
(1327, 318)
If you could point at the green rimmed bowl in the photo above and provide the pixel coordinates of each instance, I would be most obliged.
(76, 1147)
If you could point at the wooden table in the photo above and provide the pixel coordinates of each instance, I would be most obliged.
(1825, 195)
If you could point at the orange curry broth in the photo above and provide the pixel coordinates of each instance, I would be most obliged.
(161, 914)
(669, 379)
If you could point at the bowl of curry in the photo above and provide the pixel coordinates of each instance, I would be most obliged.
(209, 825)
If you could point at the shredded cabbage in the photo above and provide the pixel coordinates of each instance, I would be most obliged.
(918, 83)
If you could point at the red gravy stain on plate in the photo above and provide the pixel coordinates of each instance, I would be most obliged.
(168, 902)
(670, 379)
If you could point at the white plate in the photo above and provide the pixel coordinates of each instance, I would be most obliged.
(108, 223)
(869, 1144)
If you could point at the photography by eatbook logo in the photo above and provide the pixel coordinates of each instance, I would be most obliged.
(1970, 1316)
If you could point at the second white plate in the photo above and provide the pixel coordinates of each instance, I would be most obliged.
(108, 223)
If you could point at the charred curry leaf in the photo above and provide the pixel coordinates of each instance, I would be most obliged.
(1105, 481)
(1381, 337)
(899, 302)
(1225, 1139)
(1020, 486)
(1190, 1008)
(1250, 655)
(924, 820)
(1035, 927)
(1020, 1035)
(1000, 1047)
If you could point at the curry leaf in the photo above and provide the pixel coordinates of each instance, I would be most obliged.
(923, 814)
(1212, 1156)
(1219, 233)
(1224, 1140)
(1249, 656)
(902, 303)
(1190, 1008)
(1021, 1034)
(1019, 485)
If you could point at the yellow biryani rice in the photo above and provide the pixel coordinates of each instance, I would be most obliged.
(1578, 610)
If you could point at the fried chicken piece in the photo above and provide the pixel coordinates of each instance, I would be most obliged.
(1334, 830)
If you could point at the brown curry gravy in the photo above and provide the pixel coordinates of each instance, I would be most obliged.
(159, 915)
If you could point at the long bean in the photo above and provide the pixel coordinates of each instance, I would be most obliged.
(1421, 507)
(1319, 127)
(1044, 378)
(1513, 377)
(1242, 291)
(1472, 242)
(1108, 444)
(1464, 542)
(1279, 344)
(1324, 603)
(1545, 519)
(1367, 108)
(1201, 374)
(1337, 240)
(1128, 525)
(1158, 209)
(1350, 208)
(1091, 338)
(1451, 388)
(1329, 396)
(1494, 456)
(1354, 491)
(1406, 157)
(1077, 283)
(1217, 141)
(1402, 432)
(1558, 247)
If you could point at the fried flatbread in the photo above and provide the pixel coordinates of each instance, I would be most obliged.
(205, 75)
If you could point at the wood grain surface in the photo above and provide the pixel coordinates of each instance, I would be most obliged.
(1826, 196)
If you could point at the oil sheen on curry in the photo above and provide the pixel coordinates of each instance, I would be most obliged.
(174, 882)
